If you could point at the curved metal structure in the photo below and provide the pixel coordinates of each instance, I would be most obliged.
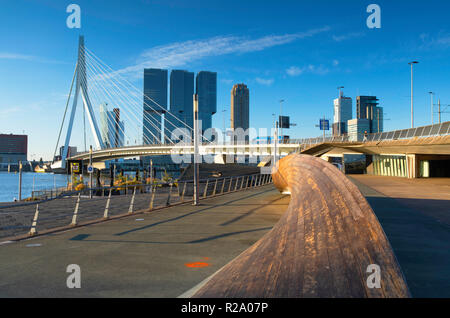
(327, 244)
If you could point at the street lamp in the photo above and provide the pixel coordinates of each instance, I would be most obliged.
(412, 99)
(431, 95)
(281, 119)
(339, 110)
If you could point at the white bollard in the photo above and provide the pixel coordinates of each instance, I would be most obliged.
(33, 225)
(130, 210)
(75, 212)
(105, 214)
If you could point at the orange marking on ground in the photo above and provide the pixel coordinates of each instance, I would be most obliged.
(196, 264)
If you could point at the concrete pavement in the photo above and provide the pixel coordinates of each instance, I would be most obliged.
(415, 215)
(157, 254)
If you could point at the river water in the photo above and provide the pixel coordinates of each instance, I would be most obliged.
(9, 184)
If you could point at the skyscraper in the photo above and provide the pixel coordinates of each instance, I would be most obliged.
(206, 88)
(367, 108)
(240, 107)
(342, 113)
(155, 104)
(111, 128)
(181, 100)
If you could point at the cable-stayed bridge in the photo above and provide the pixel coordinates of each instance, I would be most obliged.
(136, 132)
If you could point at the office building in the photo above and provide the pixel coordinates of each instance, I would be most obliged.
(367, 108)
(358, 128)
(240, 107)
(112, 130)
(206, 88)
(181, 101)
(13, 148)
(155, 104)
(342, 113)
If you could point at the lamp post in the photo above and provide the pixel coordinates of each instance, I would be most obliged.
(339, 110)
(431, 95)
(412, 99)
(196, 152)
(224, 133)
(281, 119)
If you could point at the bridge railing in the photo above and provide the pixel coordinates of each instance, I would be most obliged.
(440, 129)
(91, 205)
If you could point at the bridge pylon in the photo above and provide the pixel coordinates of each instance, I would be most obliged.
(81, 88)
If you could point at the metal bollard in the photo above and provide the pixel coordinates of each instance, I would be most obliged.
(223, 186)
(75, 212)
(168, 197)
(206, 189)
(242, 183)
(153, 198)
(130, 210)
(182, 194)
(105, 214)
(246, 183)
(33, 225)
(236, 185)
(215, 187)
(229, 186)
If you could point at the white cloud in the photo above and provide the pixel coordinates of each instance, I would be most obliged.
(24, 57)
(348, 36)
(335, 62)
(15, 56)
(264, 81)
(181, 53)
(294, 71)
(313, 69)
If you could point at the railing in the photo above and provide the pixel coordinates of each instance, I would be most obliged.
(92, 205)
(441, 129)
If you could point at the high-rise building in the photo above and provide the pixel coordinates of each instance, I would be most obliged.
(240, 107)
(358, 128)
(112, 130)
(13, 148)
(206, 88)
(155, 104)
(342, 113)
(181, 100)
(367, 108)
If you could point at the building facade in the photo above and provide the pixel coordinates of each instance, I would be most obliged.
(181, 101)
(358, 128)
(240, 107)
(13, 148)
(112, 129)
(155, 104)
(342, 114)
(206, 88)
(367, 108)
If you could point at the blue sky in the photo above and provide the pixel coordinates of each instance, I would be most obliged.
(299, 51)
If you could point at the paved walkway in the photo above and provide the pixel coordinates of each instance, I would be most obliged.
(157, 254)
(415, 215)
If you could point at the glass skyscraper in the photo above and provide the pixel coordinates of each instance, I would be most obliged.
(155, 104)
(181, 101)
(112, 130)
(206, 88)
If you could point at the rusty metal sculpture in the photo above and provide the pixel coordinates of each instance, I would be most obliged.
(327, 244)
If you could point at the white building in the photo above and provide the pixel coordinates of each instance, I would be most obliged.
(112, 129)
(357, 128)
(342, 114)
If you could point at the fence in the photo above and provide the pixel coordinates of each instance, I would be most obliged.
(92, 205)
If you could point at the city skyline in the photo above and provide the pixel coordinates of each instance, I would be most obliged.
(301, 56)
